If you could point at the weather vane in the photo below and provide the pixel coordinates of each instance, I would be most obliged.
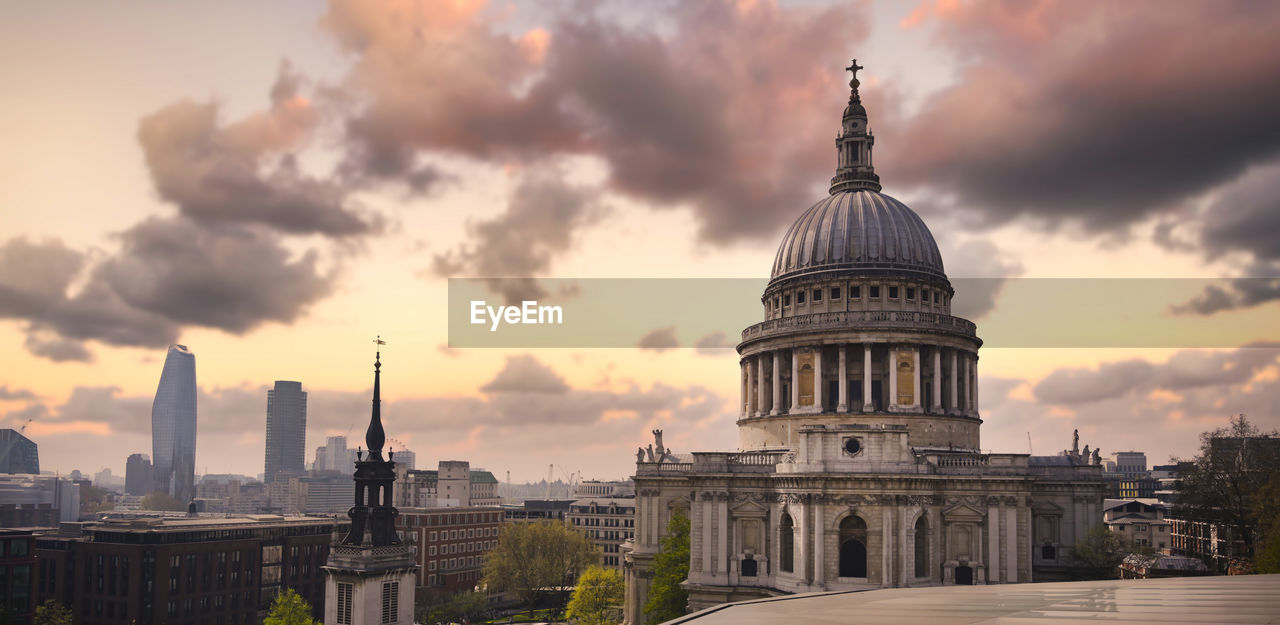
(379, 340)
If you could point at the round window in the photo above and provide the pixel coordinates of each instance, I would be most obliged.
(852, 446)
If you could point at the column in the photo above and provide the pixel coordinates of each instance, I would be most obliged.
(760, 386)
(819, 544)
(937, 380)
(993, 544)
(802, 542)
(742, 380)
(795, 382)
(751, 379)
(893, 380)
(708, 535)
(722, 538)
(817, 379)
(955, 406)
(975, 382)
(866, 378)
(777, 383)
(967, 396)
(886, 556)
(843, 406)
(1011, 544)
(906, 556)
(918, 401)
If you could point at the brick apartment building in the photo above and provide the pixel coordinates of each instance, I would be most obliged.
(450, 544)
(183, 570)
(17, 565)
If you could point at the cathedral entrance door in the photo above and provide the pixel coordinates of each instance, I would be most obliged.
(964, 576)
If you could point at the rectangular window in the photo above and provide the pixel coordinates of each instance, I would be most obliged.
(835, 292)
(936, 297)
(893, 292)
(817, 295)
(924, 295)
(855, 292)
(344, 603)
(786, 299)
(911, 293)
(799, 297)
(875, 292)
(776, 303)
(390, 601)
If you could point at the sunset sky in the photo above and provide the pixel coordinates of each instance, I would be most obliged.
(274, 184)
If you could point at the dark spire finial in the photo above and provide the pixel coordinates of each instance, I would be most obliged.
(374, 437)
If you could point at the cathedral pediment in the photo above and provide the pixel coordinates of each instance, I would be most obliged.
(749, 508)
(963, 512)
(1045, 508)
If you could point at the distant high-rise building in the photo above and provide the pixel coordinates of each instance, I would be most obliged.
(173, 425)
(334, 455)
(137, 475)
(18, 454)
(286, 429)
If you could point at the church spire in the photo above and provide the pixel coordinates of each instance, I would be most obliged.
(853, 144)
(374, 437)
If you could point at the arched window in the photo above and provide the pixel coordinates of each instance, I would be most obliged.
(922, 547)
(853, 547)
(787, 541)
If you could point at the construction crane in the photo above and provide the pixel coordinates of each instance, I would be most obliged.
(571, 479)
(551, 472)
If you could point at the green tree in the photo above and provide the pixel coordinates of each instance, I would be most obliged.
(289, 608)
(597, 600)
(538, 559)
(667, 600)
(1221, 487)
(162, 501)
(1102, 549)
(1266, 512)
(52, 613)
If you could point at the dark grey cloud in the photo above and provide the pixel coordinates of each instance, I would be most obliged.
(246, 172)
(659, 340)
(978, 270)
(1242, 219)
(35, 276)
(1102, 114)
(56, 348)
(525, 374)
(15, 394)
(540, 221)
(1186, 370)
(684, 116)
(227, 277)
(168, 273)
(713, 344)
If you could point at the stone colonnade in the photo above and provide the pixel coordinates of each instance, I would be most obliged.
(886, 377)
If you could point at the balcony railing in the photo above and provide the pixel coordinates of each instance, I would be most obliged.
(862, 320)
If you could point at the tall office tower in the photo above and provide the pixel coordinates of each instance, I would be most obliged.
(173, 425)
(18, 454)
(286, 429)
(137, 475)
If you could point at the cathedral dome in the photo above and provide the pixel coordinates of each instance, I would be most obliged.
(858, 230)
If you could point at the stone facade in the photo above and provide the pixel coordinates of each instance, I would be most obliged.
(860, 464)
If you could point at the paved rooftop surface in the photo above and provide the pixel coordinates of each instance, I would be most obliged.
(1170, 601)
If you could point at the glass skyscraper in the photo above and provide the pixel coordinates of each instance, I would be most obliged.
(286, 429)
(173, 425)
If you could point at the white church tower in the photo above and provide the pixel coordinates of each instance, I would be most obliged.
(371, 575)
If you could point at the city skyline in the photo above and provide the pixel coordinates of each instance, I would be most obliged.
(275, 206)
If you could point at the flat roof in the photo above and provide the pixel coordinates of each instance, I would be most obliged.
(1169, 601)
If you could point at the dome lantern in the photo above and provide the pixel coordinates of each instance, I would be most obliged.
(853, 145)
